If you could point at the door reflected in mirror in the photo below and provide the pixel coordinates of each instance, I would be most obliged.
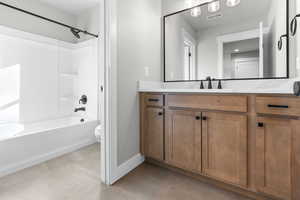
(226, 41)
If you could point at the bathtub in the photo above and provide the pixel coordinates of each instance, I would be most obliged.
(25, 145)
(10, 130)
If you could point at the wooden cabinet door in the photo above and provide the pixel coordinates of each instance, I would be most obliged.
(183, 139)
(154, 138)
(225, 147)
(274, 157)
(296, 160)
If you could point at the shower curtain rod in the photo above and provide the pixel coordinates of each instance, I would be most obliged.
(50, 20)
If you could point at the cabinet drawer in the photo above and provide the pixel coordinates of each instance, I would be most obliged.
(278, 105)
(209, 102)
(154, 100)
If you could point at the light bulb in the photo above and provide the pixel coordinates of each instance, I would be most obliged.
(233, 3)
(196, 12)
(214, 6)
(189, 3)
(192, 3)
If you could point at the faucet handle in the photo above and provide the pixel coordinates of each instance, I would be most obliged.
(209, 82)
(220, 85)
(83, 100)
(201, 85)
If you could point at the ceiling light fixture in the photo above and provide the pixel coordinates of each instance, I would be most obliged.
(196, 12)
(214, 6)
(233, 3)
(189, 3)
(236, 50)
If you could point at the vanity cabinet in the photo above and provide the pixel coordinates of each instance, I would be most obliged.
(225, 147)
(248, 143)
(183, 139)
(277, 147)
(154, 134)
(198, 140)
(274, 156)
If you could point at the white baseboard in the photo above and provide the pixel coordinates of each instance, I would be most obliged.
(128, 166)
(43, 158)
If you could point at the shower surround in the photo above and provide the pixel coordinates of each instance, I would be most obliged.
(41, 82)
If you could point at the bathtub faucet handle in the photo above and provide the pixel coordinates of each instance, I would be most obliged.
(83, 100)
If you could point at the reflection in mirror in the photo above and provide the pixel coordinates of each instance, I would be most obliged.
(241, 59)
(227, 39)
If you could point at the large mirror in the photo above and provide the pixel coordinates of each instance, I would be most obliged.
(227, 39)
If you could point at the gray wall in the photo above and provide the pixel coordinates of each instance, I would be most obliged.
(14, 19)
(139, 44)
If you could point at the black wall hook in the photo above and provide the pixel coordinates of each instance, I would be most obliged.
(280, 41)
(294, 25)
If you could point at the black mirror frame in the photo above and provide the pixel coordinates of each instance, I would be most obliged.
(267, 78)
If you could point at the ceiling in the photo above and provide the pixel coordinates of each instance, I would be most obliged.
(247, 10)
(72, 6)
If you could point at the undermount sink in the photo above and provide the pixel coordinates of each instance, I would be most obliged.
(215, 90)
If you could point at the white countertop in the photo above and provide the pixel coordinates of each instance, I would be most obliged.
(239, 87)
(221, 91)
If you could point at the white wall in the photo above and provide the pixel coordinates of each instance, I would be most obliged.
(138, 46)
(14, 19)
(86, 61)
(38, 75)
(89, 20)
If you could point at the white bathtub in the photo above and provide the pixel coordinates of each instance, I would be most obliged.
(10, 130)
(23, 146)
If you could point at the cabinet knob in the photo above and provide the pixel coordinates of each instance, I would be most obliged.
(204, 118)
(260, 124)
(160, 113)
(198, 118)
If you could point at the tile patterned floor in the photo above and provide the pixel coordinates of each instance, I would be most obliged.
(75, 176)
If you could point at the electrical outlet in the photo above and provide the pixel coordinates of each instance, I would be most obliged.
(147, 71)
(298, 63)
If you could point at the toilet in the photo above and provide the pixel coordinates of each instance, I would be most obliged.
(99, 134)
